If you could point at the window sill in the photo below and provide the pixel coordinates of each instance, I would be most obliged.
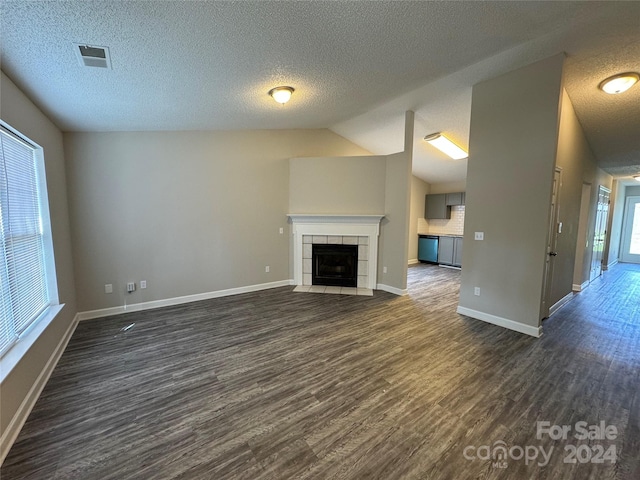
(26, 341)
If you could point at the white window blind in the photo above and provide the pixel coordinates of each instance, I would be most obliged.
(23, 267)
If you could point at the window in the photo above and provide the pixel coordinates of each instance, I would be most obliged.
(27, 268)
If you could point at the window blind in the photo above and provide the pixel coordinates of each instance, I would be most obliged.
(22, 254)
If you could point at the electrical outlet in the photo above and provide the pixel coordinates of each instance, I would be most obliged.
(384, 269)
(479, 236)
(476, 291)
(281, 230)
(131, 287)
(143, 284)
(266, 269)
(108, 288)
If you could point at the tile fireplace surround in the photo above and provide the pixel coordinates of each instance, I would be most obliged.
(361, 230)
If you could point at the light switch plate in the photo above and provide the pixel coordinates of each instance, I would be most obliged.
(479, 236)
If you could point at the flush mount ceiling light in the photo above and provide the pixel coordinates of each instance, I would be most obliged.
(636, 178)
(445, 145)
(281, 94)
(619, 83)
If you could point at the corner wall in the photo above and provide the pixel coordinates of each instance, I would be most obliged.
(394, 230)
(189, 212)
(21, 387)
(512, 155)
(419, 189)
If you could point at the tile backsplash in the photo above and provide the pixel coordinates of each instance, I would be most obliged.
(453, 226)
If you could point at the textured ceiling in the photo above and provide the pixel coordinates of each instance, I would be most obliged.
(356, 66)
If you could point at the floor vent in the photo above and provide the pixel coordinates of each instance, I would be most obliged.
(93, 56)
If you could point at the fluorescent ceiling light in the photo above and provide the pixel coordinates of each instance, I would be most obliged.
(445, 145)
(281, 94)
(619, 83)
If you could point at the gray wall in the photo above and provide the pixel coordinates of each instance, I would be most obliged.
(189, 212)
(579, 167)
(513, 145)
(419, 188)
(337, 185)
(19, 112)
(394, 237)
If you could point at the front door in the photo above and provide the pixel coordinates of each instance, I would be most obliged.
(631, 231)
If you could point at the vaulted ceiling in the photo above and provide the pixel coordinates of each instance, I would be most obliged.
(356, 66)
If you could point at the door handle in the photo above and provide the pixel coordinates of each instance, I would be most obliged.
(553, 254)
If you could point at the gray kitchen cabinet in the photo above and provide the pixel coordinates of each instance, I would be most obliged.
(450, 251)
(445, 250)
(435, 207)
(454, 199)
(457, 251)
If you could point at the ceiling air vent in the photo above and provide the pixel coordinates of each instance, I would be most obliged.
(93, 56)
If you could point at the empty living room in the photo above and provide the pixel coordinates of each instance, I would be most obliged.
(319, 240)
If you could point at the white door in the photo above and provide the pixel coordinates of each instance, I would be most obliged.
(552, 241)
(600, 234)
(631, 231)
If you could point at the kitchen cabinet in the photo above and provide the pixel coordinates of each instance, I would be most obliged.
(454, 199)
(435, 207)
(450, 251)
(457, 251)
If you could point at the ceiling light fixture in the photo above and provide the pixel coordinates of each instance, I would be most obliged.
(636, 178)
(281, 94)
(619, 83)
(445, 145)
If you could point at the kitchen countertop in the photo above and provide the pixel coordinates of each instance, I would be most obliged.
(439, 235)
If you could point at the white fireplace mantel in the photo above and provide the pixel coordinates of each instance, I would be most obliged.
(344, 225)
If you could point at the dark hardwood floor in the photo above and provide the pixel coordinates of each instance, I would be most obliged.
(278, 385)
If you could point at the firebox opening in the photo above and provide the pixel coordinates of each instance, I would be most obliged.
(335, 265)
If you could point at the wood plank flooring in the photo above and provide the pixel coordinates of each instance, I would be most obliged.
(277, 385)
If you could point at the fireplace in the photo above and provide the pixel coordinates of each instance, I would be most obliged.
(360, 231)
(335, 265)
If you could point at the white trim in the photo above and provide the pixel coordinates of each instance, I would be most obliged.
(413, 261)
(452, 267)
(338, 225)
(501, 322)
(612, 264)
(17, 422)
(312, 218)
(137, 307)
(579, 288)
(13, 356)
(560, 303)
(394, 290)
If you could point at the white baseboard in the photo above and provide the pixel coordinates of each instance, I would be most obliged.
(394, 290)
(501, 322)
(17, 422)
(612, 264)
(413, 261)
(560, 303)
(578, 288)
(137, 307)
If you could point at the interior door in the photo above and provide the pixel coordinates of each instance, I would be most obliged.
(631, 231)
(600, 234)
(551, 244)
